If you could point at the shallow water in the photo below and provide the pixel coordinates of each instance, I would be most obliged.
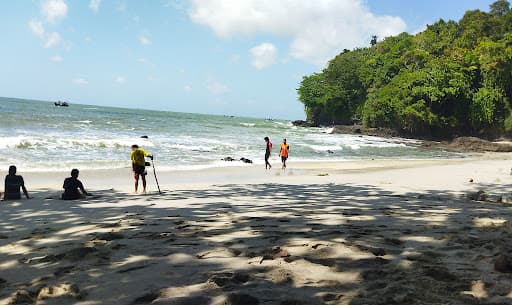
(37, 136)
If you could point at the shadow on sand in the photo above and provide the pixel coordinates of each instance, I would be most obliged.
(255, 244)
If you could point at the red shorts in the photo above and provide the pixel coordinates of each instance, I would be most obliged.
(139, 170)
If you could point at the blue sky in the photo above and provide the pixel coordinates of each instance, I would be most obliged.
(236, 57)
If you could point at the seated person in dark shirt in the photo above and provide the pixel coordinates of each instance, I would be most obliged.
(13, 183)
(71, 187)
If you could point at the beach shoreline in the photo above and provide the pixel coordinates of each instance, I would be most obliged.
(356, 232)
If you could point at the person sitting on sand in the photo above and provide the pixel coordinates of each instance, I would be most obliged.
(268, 152)
(72, 186)
(285, 148)
(139, 165)
(13, 183)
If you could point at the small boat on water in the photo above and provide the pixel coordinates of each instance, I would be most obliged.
(61, 104)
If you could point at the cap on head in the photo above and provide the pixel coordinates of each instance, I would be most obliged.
(12, 170)
(74, 172)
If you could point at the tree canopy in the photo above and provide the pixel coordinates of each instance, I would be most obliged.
(454, 78)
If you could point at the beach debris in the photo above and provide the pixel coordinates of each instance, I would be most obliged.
(245, 160)
(228, 159)
(503, 264)
(330, 151)
(144, 137)
(323, 174)
(471, 180)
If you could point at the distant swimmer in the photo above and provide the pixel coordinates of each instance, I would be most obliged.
(13, 183)
(285, 148)
(138, 156)
(72, 187)
(268, 152)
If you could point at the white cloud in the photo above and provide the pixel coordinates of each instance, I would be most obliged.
(80, 81)
(49, 40)
(217, 88)
(52, 39)
(187, 88)
(120, 80)
(263, 55)
(94, 5)
(37, 28)
(144, 40)
(318, 29)
(54, 10)
(56, 58)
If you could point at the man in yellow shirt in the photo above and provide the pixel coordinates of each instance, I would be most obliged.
(138, 156)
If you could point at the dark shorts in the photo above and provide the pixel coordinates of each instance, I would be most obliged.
(12, 196)
(284, 158)
(139, 170)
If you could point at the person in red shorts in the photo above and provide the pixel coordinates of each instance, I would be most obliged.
(138, 157)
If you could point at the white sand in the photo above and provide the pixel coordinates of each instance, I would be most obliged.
(365, 232)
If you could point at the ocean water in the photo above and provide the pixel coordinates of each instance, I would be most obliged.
(37, 136)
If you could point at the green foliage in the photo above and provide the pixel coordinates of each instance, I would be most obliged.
(453, 78)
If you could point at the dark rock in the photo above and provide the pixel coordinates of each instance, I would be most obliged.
(378, 251)
(503, 263)
(229, 159)
(302, 123)
(478, 196)
(330, 151)
(471, 180)
(144, 137)
(245, 160)
(465, 144)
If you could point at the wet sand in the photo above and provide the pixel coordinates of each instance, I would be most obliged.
(365, 232)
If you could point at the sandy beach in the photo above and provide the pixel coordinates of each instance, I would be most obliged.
(361, 232)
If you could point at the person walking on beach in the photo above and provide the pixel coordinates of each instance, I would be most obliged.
(72, 186)
(268, 152)
(138, 156)
(13, 183)
(285, 148)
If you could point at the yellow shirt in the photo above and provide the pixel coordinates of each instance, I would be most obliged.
(137, 156)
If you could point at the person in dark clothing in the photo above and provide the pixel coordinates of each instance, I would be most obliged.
(268, 152)
(13, 183)
(72, 186)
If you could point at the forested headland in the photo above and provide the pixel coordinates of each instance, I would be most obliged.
(452, 79)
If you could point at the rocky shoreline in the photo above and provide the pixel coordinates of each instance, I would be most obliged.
(458, 144)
